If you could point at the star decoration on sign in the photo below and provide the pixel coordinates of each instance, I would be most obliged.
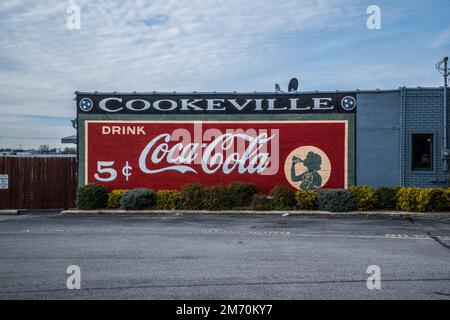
(86, 104)
(348, 103)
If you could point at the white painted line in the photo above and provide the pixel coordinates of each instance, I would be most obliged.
(306, 235)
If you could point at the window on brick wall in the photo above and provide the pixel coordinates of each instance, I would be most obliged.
(422, 152)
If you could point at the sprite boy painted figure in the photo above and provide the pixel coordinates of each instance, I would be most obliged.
(311, 179)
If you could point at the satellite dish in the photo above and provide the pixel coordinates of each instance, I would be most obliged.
(293, 85)
(277, 87)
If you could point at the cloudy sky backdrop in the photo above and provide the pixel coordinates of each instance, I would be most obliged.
(203, 45)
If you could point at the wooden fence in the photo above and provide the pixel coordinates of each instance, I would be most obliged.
(38, 182)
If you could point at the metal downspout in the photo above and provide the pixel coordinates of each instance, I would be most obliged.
(402, 135)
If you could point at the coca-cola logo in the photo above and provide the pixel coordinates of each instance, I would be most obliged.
(225, 152)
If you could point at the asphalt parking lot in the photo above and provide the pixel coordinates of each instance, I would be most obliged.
(223, 257)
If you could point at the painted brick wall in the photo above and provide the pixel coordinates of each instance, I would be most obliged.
(378, 139)
(82, 118)
(385, 122)
(423, 113)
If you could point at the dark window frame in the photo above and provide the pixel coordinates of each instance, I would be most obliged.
(413, 149)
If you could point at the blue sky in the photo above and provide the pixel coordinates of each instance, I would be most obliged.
(203, 45)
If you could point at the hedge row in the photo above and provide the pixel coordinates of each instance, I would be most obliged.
(240, 195)
(191, 197)
(365, 198)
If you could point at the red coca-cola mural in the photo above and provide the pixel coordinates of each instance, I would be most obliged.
(169, 154)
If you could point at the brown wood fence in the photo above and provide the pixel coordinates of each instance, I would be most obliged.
(38, 182)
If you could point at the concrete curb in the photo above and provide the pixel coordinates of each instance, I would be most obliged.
(8, 212)
(390, 214)
(29, 211)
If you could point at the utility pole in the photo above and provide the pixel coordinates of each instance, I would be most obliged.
(445, 100)
(442, 67)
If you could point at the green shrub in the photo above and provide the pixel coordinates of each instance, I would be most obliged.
(407, 199)
(283, 198)
(447, 193)
(138, 199)
(261, 202)
(431, 199)
(241, 194)
(422, 200)
(306, 199)
(115, 197)
(191, 196)
(387, 198)
(91, 197)
(365, 197)
(339, 200)
(217, 198)
(167, 199)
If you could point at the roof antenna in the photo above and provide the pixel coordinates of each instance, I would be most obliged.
(278, 88)
(292, 88)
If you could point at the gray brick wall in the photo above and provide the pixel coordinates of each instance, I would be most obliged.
(423, 113)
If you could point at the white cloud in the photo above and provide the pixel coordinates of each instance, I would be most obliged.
(141, 45)
(182, 45)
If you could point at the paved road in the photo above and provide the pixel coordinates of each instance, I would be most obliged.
(223, 257)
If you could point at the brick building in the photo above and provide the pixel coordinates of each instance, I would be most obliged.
(377, 138)
(400, 138)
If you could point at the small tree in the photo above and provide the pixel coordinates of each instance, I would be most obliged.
(69, 150)
(44, 148)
